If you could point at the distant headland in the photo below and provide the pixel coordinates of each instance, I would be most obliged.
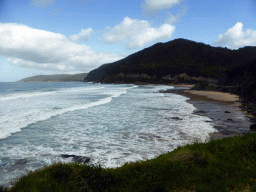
(55, 78)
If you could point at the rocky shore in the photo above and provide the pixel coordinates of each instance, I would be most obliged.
(222, 108)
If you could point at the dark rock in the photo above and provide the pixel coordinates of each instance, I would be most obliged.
(66, 156)
(79, 159)
(177, 118)
(228, 132)
(253, 127)
(200, 112)
(208, 121)
(227, 112)
(21, 162)
(230, 120)
(218, 126)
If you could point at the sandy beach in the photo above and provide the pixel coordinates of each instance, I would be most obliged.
(222, 108)
(219, 96)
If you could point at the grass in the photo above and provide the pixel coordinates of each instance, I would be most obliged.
(228, 164)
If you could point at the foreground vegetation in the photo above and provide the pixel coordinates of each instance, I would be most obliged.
(227, 164)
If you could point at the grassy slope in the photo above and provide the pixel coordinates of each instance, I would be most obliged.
(220, 165)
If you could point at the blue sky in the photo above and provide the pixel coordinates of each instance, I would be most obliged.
(75, 36)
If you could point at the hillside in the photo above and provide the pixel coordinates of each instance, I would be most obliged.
(164, 62)
(55, 78)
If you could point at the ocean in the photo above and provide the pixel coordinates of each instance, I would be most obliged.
(111, 124)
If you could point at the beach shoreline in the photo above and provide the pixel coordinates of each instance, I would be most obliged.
(224, 110)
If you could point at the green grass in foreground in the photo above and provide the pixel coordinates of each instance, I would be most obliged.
(228, 164)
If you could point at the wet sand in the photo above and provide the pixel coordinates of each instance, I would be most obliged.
(222, 108)
(219, 96)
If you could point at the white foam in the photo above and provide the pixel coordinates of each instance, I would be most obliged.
(135, 127)
(14, 123)
(80, 89)
(25, 95)
(39, 94)
(194, 127)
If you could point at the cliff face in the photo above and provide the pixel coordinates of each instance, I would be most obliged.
(161, 62)
(55, 78)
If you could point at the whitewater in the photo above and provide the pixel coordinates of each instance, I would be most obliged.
(111, 124)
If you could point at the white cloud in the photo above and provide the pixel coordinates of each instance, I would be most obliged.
(39, 49)
(152, 6)
(136, 33)
(172, 19)
(42, 3)
(235, 37)
(84, 35)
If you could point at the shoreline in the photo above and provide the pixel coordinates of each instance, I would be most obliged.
(223, 109)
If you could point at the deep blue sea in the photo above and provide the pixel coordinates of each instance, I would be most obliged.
(111, 124)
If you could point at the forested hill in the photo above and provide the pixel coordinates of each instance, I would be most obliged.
(55, 78)
(167, 62)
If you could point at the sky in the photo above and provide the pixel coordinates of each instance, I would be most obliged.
(43, 37)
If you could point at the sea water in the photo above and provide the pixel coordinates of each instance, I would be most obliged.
(111, 124)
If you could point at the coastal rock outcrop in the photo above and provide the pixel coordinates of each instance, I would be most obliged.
(181, 77)
(167, 77)
(176, 118)
(75, 158)
(253, 127)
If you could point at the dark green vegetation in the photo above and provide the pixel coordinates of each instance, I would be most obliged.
(177, 57)
(220, 165)
(55, 78)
